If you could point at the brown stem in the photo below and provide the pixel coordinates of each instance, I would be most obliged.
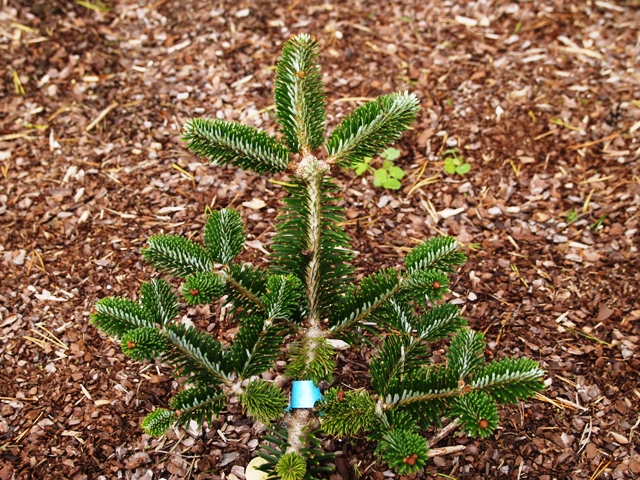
(438, 452)
(444, 432)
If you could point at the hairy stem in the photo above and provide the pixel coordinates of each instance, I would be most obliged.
(312, 171)
(298, 423)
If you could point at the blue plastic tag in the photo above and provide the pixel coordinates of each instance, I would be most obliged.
(304, 394)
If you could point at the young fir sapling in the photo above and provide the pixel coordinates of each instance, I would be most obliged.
(308, 300)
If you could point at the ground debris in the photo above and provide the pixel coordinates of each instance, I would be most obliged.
(540, 98)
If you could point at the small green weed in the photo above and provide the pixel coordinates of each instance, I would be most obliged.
(454, 162)
(518, 27)
(597, 225)
(572, 216)
(387, 176)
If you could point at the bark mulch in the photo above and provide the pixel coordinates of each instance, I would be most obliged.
(541, 98)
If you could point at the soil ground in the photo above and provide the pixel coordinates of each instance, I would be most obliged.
(541, 98)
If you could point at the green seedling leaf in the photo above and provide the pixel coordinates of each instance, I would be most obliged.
(396, 172)
(392, 184)
(390, 154)
(380, 177)
(388, 175)
(362, 167)
(449, 167)
(387, 164)
(462, 169)
(454, 163)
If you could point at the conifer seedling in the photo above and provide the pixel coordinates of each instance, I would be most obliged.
(308, 303)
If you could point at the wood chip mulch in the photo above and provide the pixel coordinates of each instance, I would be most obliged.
(541, 98)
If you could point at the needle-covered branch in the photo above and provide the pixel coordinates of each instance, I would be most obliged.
(235, 144)
(299, 95)
(371, 127)
(177, 255)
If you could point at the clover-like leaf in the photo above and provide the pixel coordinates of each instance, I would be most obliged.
(396, 172)
(380, 177)
(462, 169)
(363, 166)
(449, 166)
(390, 153)
(392, 184)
